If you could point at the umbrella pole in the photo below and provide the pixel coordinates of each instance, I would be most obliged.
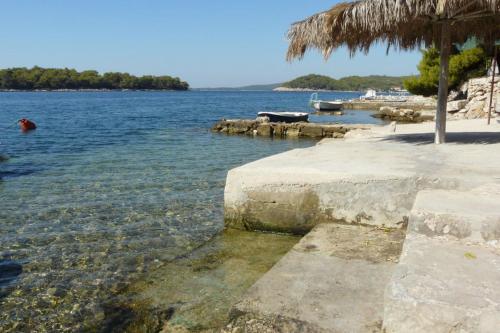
(443, 84)
(492, 84)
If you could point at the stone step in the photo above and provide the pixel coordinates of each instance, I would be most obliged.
(472, 216)
(332, 281)
(444, 285)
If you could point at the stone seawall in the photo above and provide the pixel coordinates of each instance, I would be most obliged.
(285, 130)
(416, 103)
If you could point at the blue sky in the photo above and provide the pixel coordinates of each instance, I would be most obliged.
(207, 43)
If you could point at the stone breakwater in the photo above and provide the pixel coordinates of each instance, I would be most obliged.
(285, 130)
(413, 109)
(416, 103)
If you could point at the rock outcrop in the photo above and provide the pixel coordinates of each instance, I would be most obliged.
(478, 100)
(402, 115)
(261, 127)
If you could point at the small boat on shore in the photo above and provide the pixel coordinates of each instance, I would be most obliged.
(320, 105)
(285, 117)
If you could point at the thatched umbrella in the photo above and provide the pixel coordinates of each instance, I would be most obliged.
(402, 24)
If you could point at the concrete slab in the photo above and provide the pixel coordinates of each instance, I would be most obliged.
(332, 281)
(369, 179)
(443, 285)
(472, 216)
(448, 278)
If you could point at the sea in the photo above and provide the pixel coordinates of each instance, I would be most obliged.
(111, 211)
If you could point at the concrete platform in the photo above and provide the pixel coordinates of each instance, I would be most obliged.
(370, 178)
(444, 286)
(332, 281)
(472, 216)
(448, 278)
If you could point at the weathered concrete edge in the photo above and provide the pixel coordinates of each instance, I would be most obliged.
(297, 208)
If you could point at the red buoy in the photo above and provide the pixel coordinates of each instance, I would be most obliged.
(26, 125)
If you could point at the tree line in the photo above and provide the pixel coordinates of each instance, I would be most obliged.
(464, 65)
(38, 78)
(350, 83)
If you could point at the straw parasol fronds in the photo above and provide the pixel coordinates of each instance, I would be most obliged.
(403, 25)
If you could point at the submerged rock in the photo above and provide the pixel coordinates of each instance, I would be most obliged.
(9, 272)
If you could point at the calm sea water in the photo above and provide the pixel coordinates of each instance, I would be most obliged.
(111, 186)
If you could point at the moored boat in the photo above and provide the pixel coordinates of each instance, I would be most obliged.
(285, 117)
(320, 105)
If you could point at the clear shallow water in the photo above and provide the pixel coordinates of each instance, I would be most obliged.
(111, 186)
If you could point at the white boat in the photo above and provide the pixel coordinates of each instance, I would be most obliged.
(320, 105)
(370, 94)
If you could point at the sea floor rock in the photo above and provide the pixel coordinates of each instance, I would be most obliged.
(195, 293)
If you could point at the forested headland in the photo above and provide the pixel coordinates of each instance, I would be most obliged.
(38, 78)
(350, 83)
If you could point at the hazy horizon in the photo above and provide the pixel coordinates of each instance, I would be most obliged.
(209, 45)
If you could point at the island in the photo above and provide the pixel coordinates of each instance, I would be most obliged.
(38, 78)
(349, 83)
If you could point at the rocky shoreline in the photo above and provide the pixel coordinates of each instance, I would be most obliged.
(404, 115)
(477, 102)
(284, 130)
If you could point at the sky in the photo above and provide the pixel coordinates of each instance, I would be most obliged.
(208, 43)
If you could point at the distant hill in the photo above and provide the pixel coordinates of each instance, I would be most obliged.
(261, 86)
(349, 83)
(321, 82)
(255, 87)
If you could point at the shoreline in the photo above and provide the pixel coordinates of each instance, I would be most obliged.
(387, 179)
